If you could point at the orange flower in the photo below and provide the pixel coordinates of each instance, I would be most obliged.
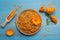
(36, 20)
(54, 19)
(50, 10)
(41, 9)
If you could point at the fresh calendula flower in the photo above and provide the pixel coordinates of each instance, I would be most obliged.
(41, 9)
(50, 10)
(36, 20)
(54, 19)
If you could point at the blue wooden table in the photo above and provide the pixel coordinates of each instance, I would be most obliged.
(54, 30)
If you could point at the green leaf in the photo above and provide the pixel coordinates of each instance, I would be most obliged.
(48, 21)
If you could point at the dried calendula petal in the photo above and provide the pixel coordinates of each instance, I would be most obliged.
(54, 19)
(13, 12)
(10, 32)
(50, 10)
(36, 20)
